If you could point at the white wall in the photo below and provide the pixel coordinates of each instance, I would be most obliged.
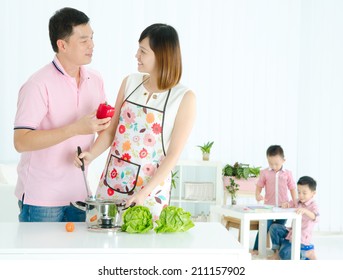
(265, 72)
(320, 103)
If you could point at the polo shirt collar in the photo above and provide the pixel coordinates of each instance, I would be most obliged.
(83, 70)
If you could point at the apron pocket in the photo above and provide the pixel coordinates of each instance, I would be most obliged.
(121, 175)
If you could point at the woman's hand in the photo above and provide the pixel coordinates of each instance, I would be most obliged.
(137, 199)
(86, 156)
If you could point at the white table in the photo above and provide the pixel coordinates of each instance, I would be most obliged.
(18, 240)
(246, 215)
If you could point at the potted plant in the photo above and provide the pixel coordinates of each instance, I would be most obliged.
(232, 189)
(174, 177)
(242, 174)
(206, 150)
(241, 171)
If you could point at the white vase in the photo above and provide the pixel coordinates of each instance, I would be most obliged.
(229, 199)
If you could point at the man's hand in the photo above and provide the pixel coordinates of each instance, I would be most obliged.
(89, 124)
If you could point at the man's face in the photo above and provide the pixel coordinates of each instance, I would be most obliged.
(78, 48)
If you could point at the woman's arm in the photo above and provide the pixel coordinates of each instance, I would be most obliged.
(105, 138)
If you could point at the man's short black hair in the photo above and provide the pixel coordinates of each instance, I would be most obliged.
(62, 22)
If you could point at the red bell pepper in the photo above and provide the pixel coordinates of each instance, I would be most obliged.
(104, 111)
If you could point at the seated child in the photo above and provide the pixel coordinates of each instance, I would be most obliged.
(305, 206)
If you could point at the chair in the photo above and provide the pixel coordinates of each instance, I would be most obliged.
(231, 222)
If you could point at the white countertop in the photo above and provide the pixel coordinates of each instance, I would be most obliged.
(9, 209)
(52, 238)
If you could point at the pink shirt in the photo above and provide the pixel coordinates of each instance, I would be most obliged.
(307, 224)
(51, 99)
(269, 179)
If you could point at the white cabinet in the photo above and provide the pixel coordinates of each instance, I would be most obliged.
(198, 186)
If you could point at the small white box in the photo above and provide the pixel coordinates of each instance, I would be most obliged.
(199, 191)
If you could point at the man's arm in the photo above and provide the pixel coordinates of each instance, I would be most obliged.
(31, 140)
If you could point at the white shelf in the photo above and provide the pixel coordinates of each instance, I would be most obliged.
(175, 200)
(197, 171)
(199, 163)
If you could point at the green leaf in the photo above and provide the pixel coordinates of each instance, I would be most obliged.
(174, 177)
(137, 219)
(206, 148)
(173, 219)
(240, 170)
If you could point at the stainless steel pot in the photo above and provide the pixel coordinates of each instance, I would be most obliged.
(102, 213)
(105, 214)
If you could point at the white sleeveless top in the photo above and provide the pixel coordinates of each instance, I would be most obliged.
(157, 101)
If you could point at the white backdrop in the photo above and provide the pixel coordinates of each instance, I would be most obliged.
(264, 72)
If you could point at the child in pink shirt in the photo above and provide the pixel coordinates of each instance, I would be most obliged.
(305, 206)
(277, 182)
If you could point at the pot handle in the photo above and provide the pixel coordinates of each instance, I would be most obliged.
(79, 205)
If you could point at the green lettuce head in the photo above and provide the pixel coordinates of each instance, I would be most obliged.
(174, 219)
(137, 219)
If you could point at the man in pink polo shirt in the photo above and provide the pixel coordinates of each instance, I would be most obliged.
(277, 182)
(55, 114)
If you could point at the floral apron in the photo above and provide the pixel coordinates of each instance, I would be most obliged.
(135, 155)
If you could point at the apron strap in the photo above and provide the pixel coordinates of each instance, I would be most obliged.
(136, 88)
(164, 115)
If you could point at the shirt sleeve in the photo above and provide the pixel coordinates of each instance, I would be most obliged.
(32, 106)
(262, 179)
(290, 182)
(314, 209)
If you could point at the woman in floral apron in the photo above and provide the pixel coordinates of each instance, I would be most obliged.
(153, 119)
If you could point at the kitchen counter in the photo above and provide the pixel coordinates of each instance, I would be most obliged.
(38, 239)
(9, 203)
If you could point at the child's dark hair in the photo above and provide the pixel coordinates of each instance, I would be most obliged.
(307, 180)
(275, 150)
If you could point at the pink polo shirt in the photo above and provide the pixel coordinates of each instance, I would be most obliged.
(307, 224)
(283, 180)
(51, 99)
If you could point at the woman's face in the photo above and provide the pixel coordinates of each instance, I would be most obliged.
(145, 57)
